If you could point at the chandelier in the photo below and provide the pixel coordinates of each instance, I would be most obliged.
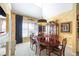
(42, 22)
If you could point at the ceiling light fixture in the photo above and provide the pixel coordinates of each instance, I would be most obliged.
(42, 22)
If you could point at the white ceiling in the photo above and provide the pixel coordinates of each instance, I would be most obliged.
(50, 10)
(41, 10)
(28, 9)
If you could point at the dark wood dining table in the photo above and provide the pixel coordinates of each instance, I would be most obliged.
(48, 44)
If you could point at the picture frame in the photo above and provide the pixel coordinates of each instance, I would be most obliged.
(66, 27)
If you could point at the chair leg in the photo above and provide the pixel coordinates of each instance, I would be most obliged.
(36, 50)
(62, 53)
(31, 46)
(40, 52)
(47, 52)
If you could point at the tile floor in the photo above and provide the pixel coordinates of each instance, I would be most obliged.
(2, 51)
(24, 49)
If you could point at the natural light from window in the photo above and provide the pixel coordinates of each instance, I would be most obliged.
(28, 28)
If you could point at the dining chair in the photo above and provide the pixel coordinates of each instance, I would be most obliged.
(41, 47)
(32, 42)
(60, 50)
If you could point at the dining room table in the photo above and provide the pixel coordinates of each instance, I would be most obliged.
(48, 42)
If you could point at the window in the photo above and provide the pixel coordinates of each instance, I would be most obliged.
(33, 28)
(3, 25)
(28, 28)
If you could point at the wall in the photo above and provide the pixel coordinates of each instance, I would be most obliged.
(68, 16)
(7, 8)
(77, 43)
(13, 41)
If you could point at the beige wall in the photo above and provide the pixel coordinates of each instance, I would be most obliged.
(69, 16)
(13, 34)
(7, 22)
(77, 42)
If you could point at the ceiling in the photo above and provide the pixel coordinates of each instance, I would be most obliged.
(28, 9)
(45, 10)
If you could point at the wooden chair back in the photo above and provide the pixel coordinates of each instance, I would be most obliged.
(64, 42)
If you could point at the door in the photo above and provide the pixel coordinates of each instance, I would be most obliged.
(18, 29)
